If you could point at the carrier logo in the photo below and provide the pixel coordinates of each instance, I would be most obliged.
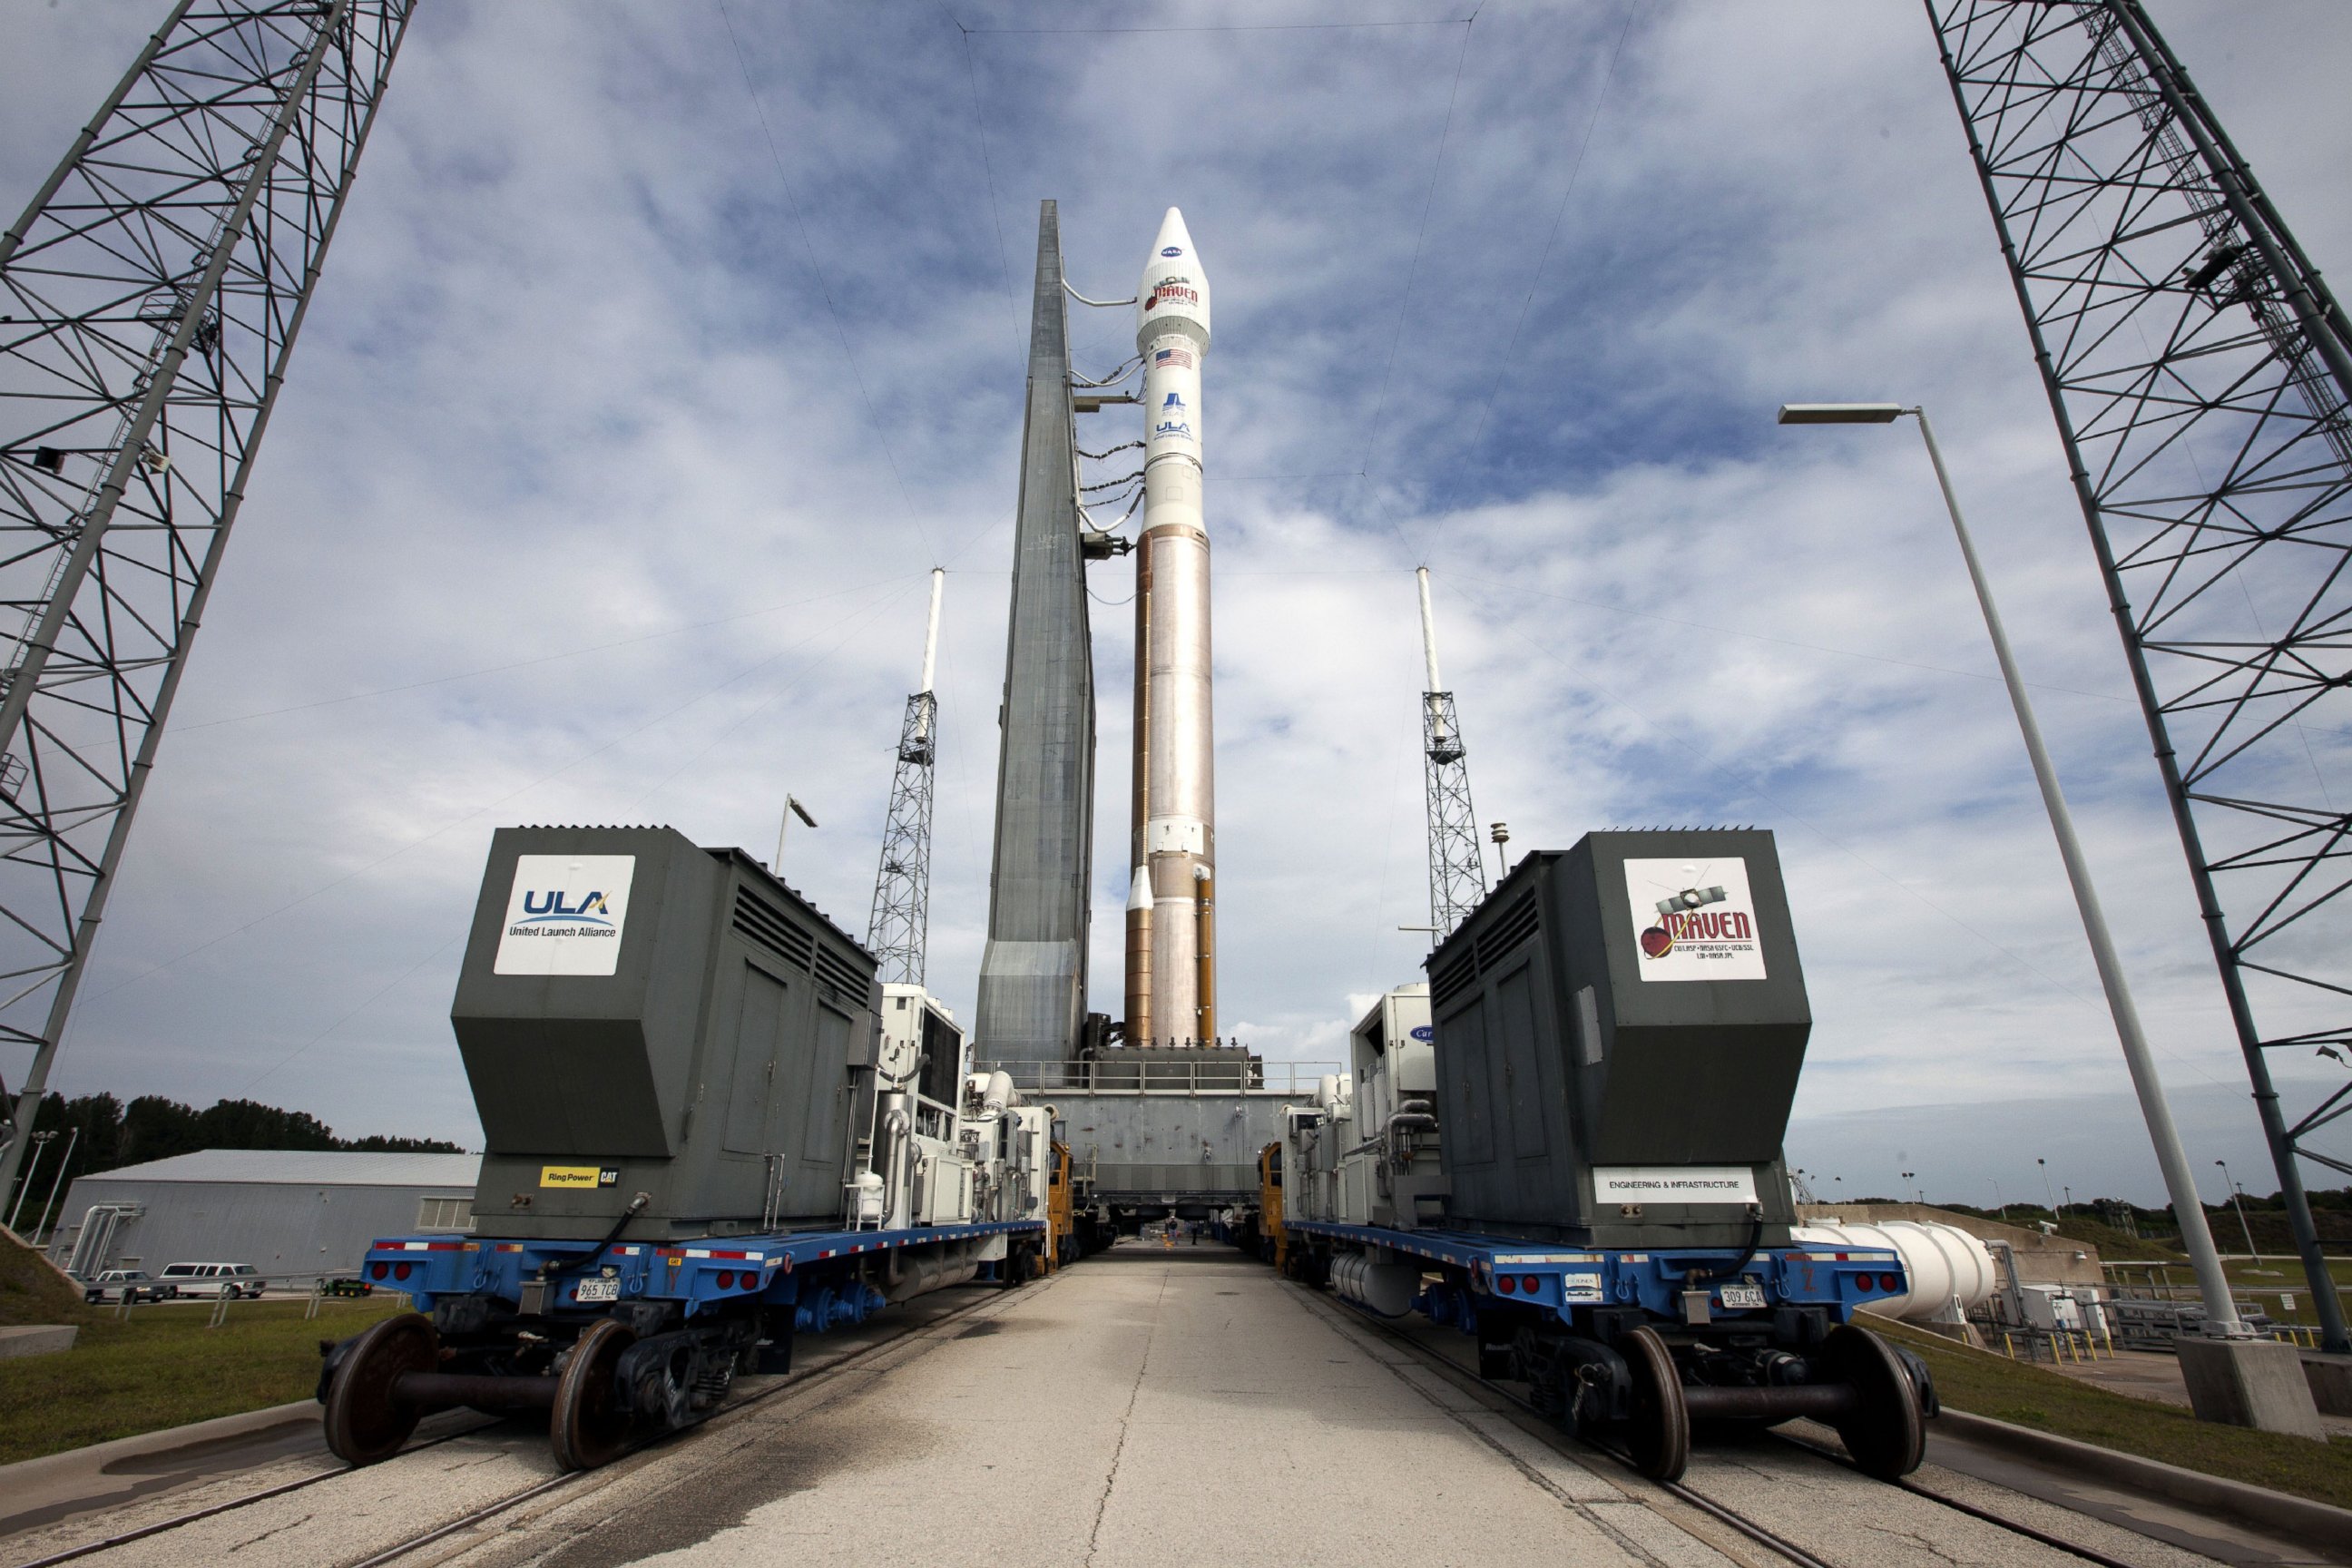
(564, 915)
(1424, 1032)
(1694, 922)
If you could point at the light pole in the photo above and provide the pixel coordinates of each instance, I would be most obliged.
(1908, 1177)
(2046, 1187)
(2238, 1199)
(41, 1142)
(792, 807)
(1997, 1202)
(2171, 1158)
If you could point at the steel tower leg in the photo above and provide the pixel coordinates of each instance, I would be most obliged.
(2200, 376)
(151, 293)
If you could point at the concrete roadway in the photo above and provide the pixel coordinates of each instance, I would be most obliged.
(1178, 1407)
(1145, 1407)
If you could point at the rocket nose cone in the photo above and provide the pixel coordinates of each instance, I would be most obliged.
(1173, 234)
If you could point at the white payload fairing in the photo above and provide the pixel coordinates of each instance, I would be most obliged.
(1171, 985)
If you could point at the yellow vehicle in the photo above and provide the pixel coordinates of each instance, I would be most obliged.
(1274, 1242)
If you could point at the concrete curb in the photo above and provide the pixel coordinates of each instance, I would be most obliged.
(2319, 1523)
(20, 1478)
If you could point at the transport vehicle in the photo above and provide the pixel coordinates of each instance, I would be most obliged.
(708, 1130)
(225, 1281)
(124, 1284)
(1566, 1144)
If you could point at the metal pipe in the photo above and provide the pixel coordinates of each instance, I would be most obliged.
(2171, 1158)
(1204, 916)
(931, 629)
(481, 1390)
(1817, 1400)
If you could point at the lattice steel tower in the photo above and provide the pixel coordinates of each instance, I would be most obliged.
(149, 297)
(902, 889)
(1457, 867)
(2200, 374)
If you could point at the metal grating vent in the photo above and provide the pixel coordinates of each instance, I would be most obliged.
(1454, 979)
(763, 926)
(1513, 926)
(842, 974)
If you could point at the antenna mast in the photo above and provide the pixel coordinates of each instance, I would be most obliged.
(1457, 867)
(902, 889)
(153, 291)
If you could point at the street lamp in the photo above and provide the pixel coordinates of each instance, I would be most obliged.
(2046, 1187)
(2238, 1197)
(2171, 1158)
(792, 807)
(1908, 1177)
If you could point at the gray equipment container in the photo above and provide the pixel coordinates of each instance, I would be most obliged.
(1619, 1032)
(640, 1014)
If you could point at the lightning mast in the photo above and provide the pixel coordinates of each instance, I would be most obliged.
(902, 890)
(149, 297)
(2200, 376)
(1457, 867)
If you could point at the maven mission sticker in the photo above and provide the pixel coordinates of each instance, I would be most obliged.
(1695, 920)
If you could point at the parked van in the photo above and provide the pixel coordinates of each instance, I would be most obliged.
(229, 1281)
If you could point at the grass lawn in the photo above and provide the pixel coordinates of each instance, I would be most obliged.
(1993, 1385)
(165, 1368)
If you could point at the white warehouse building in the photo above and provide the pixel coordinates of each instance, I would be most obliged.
(299, 1215)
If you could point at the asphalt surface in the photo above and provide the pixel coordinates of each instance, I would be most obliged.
(1145, 1407)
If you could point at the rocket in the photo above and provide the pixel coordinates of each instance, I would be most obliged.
(1170, 914)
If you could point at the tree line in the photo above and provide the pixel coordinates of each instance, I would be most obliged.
(105, 1134)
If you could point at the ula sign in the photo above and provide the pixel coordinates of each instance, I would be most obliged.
(564, 915)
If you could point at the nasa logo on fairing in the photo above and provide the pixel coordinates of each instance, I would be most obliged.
(1172, 251)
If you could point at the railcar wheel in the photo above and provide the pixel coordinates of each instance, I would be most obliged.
(1658, 1434)
(363, 1423)
(588, 1427)
(1886, 1434)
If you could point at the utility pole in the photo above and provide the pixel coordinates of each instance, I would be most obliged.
(153, 289)
(900, 924)
(1457, 867)
(2117, 198)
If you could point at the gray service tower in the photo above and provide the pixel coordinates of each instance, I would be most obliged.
(1033, 974)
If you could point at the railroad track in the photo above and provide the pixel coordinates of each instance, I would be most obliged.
(725, 1415)
(1724, 1514)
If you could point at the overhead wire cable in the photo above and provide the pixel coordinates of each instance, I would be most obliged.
(566, 766)
(1413, 271)
(824, 289)
(1234, 26)
(1551, 237)
(988, 170)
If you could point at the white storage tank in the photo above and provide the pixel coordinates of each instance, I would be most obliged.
(1945, 1269)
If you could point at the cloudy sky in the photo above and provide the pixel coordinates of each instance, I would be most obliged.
(664, 347)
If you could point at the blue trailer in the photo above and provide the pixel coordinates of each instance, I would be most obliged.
(1640, 1344)
(620, 1341)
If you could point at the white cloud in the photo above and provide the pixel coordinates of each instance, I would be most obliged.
(573, 468)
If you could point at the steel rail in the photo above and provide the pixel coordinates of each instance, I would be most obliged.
(743, 1402)
(1723, 1513)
